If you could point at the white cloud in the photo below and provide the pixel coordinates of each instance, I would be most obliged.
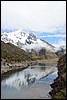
(59, 43)
(34, 15)
(56, 35)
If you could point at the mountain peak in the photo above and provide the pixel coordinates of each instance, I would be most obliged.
(25, 40)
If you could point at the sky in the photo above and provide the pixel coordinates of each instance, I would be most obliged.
(46, 18)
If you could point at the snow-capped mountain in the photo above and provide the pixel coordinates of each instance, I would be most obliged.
(26, 41)
(61, 50)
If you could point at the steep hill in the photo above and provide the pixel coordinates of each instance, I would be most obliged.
(13, 53)
(13, 58)
(59, 85)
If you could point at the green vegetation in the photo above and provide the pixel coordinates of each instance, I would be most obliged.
(59, 85)
(62, 59)
(61, 94)
(13, 53)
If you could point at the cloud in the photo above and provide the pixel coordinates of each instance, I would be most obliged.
(59, 43)
(44, 16)
(56, 35)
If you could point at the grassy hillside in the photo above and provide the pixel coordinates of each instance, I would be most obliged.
(13, 53)
(59, 85)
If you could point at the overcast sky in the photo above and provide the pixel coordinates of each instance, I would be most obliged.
(43, 16)
(39, 16)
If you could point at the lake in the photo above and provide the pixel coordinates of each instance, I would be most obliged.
(30, 83)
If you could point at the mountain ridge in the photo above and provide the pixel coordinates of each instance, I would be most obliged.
(13, 53)
(26, 40)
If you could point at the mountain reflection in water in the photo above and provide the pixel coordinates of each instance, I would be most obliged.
(33, 82)
(27, 76)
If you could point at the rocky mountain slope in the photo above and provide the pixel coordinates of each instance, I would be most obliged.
(25, 40)
(13, 53)
(14, 58)
(61, 51)
(59, 85)
(30, 43)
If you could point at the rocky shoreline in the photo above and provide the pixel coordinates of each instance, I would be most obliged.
(59, 85)
(6, 67)
(49, 62)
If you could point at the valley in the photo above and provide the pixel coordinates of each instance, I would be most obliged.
(21, 49)
(33, 50)
(23, 53)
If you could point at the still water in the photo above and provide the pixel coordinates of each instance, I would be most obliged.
(30, 83)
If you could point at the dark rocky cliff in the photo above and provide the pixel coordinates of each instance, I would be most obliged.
(59, 85)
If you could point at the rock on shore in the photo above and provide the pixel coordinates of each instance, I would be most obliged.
(5, 66)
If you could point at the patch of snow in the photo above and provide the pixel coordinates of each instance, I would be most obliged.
(25, 40)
